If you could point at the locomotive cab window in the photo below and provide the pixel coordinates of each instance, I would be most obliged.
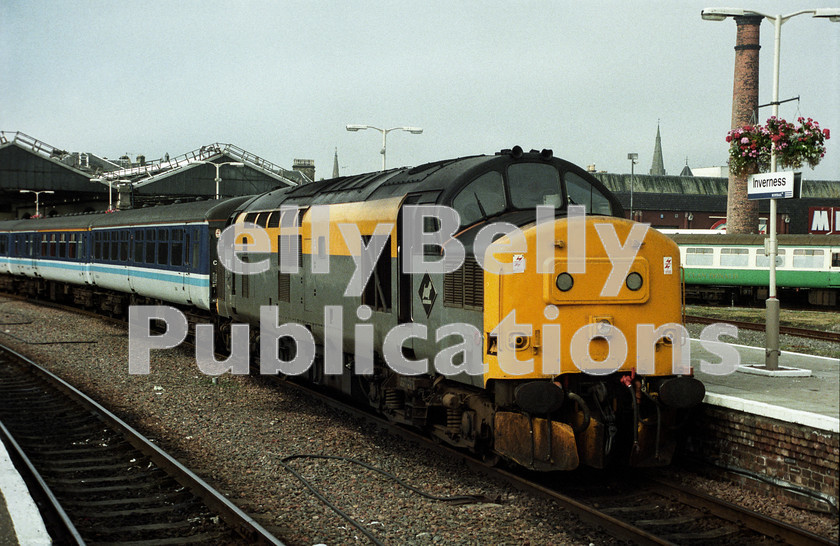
(533, 184)
(483, 197)
(581, 192)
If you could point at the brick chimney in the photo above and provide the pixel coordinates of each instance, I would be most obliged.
(741, 213)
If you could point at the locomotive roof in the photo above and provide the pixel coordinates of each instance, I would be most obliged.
(440, 178)
(196, 211)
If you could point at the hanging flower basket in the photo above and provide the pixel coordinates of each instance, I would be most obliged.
(750, 146)
(749, 149)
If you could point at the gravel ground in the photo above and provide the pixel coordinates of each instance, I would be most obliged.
(234, 434)
(754, 338)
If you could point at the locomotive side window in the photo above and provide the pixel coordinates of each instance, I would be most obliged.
(835, 259)
(483, 197)
(581, 192)
(533, 184)
(377, 291)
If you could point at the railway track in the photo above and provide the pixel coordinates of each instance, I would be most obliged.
(789, 330)
(101, 480)
(642, 509)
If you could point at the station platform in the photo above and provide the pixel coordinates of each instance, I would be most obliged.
(812, 401)
(20, 520)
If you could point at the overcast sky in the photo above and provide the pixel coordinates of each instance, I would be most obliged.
(282, 79)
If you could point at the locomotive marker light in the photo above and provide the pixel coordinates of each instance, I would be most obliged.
(771, 359)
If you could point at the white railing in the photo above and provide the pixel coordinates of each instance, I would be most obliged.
(205, 153)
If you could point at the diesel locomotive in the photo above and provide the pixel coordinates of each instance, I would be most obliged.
(571, 312)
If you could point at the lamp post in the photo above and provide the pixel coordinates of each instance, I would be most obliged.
(110, 182)
(632, 157)
(412, 130)
(219, 166)
(771, 359)
(37, 196)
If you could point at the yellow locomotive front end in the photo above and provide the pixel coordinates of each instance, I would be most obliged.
(584, 344)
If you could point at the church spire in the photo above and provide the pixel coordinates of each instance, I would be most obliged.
(658, 166)
(335, 165)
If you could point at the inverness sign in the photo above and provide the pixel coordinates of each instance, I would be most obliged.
(779, 185)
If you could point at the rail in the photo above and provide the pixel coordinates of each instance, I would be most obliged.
(235, 518)
(789, 330)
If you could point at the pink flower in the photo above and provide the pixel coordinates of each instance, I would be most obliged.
(745, 140)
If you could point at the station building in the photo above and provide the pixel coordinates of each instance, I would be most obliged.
(27, 165)
(61, 182)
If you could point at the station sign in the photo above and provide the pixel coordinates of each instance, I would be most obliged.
(779, 185)
(824, 220)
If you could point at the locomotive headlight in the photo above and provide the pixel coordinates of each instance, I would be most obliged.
(564, 282)
(634, 281)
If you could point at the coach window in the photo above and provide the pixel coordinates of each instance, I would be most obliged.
(196, 248)
(123, 246)
(735, 257)
(808, 258)
(583, 192)
(483, 197)
(761, 260)
(699, 256)
(177, 247)
(115, 245)
(52, 245)
(71, 246)
(138, 246)
(162, 246)
(44, 243)
(150, 246)
(62, 245)
(187, 233)
(274, 219)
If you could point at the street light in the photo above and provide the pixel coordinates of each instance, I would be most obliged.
(412, 130)
(771, 360)
(37, 196)
(632, 157)
(110, 199)
(219, 166)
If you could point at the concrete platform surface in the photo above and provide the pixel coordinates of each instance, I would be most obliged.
(20, 520)
(812, 401)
